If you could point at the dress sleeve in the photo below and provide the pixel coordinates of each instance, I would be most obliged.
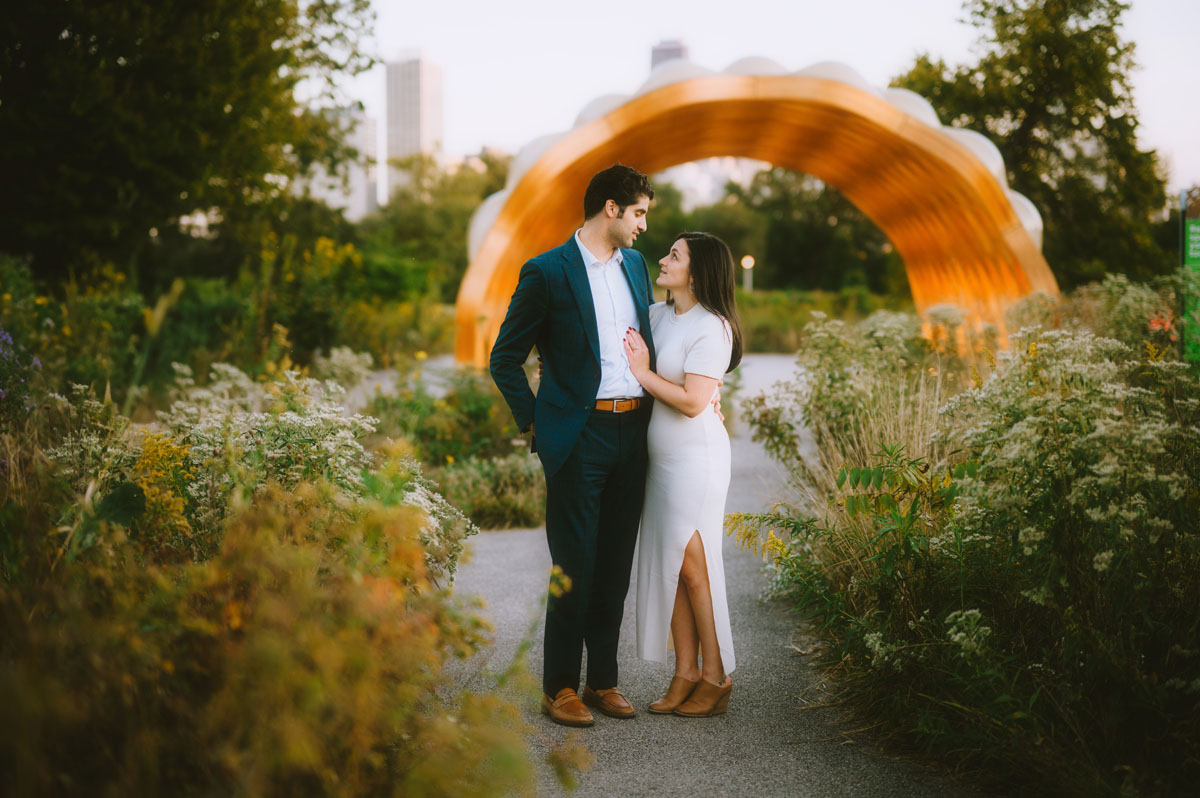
(708, 354)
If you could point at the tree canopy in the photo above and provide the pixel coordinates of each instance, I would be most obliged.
(801, 232)
(120, 116)
(417, 243)
(1051, 89)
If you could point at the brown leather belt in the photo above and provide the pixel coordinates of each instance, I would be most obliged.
(618, 405)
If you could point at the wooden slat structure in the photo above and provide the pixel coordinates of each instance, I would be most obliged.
(947, 215)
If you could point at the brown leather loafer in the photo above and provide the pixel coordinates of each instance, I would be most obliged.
(609, 701)
(566, 709)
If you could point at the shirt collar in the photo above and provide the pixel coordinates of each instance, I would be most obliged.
(591, 260)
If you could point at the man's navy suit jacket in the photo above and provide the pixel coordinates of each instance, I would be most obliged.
(552, 309)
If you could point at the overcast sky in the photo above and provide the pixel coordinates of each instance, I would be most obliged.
(520, 69)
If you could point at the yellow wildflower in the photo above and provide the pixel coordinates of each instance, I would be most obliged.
(559, 582)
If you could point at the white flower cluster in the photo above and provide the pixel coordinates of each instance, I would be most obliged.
(285, 432)
(893, 334)
(882, 652)
(1089, 441)
(344, 366)
(445, 525)
(95, 448)
(965, 629)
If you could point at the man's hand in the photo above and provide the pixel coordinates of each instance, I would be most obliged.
(716, 402)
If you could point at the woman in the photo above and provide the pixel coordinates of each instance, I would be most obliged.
(681, 576)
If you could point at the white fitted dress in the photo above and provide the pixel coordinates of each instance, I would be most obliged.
(686, 481)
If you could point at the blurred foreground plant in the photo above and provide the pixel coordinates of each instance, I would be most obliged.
(304, 657)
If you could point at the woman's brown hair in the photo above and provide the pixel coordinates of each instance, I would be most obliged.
(713, 277)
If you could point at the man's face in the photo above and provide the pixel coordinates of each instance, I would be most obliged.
(624, 229)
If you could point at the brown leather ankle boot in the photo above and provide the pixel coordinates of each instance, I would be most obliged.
(677, 693)
(707, 699)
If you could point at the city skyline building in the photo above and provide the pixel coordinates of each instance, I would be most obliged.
(356, 192)
(700, 182)
(413, 96)
(667, 50)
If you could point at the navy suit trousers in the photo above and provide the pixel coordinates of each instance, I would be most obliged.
(593, 508)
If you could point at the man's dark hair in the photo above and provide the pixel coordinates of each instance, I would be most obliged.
(618, 183)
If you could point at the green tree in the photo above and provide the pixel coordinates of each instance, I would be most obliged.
(417, 243)
(665, 221)
(739, 225)
(1051, 89)
(120, 116)
(812, 236)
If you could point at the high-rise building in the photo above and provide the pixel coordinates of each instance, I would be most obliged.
(667, 50)
(354, 192)
(701, 182)
(414, 111)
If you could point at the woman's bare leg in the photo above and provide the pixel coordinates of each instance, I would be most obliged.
(683, 632)
(694, 575)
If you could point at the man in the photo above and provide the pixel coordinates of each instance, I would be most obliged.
(589, 420)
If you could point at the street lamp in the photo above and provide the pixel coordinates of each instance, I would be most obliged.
(747, 273)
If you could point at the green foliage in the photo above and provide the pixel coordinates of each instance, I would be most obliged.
(1005, 563)
(498, 492)
(396, 333)
(18, 370)
(771, 318)
(343, 366)
(465, 418)
(802, 233)
(813, 237)
(855, 384)
(1136, 314)
(1051, 89)
(155, 110)
(305, 657)
(174, 485)
(92, 335)
(199, 602)
(416, 244)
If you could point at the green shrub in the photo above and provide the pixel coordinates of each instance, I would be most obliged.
(1116, 308)
(1006, 564)
(344, 366)
(294, 645)
(468, 418)
(304, 658)
(772, 320)
(18, 370)
(174, 483)
(395, 332)
(92, 334)
(498, 492)
(210, 322)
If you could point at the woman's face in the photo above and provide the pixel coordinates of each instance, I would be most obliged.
(673, 273)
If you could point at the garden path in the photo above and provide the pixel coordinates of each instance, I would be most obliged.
(772, 742)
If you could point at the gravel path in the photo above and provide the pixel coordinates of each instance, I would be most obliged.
(768, 744)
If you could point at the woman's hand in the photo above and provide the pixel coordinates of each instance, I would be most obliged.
(637, 353)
